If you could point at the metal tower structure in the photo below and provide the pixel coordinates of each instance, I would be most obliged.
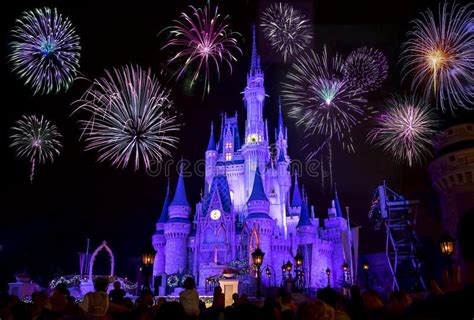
(397, 215)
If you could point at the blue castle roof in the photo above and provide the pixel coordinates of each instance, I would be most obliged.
(296, 200)
(219, 184)
(212, 142)
(338, 206)
(258, 192)
(304, 216)
(164, 211)
(180, 198)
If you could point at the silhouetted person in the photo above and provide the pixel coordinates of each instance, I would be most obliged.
(117, 293)
(189, 298)
(95, 304)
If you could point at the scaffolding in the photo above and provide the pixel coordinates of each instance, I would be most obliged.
(393, 212)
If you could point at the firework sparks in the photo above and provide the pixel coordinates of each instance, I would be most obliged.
(405, 130)
(286, 28)
(439, 55)
(45, 50)
(204, 41)
(321, 100)
(36, 139)
(131, 118)
(366, 69)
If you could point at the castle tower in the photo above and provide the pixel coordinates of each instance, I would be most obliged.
(334, 225)
(158, 239)
(177, 229)
(255, 149)
(211, 157)
(452, 173)
(258, 220)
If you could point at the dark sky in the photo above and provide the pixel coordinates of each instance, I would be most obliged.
(45, 224)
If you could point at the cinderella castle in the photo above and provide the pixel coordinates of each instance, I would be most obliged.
(247, 204)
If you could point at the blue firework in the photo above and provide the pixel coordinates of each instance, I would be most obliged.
(45, 50)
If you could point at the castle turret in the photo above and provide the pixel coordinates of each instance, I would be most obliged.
(334, 225)
(258, 220)
(177, 229)
(158, 239)
(255, 150)
(211, 157)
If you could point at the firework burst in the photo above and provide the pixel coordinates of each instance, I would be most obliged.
(366, 69)
(36, 139)
(204, 41)
(45, 50)
(439, 55)
(320, 98)
(132, 118)
(286, 28)
(405, 130)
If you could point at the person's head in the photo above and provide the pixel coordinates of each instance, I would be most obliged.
(235, 297)
(117, 285)
(39, 298)
(244, 299)
(63, 288)
(217, 290)
(101, 284)
(189, 284)
(58, 299)
(146, 297)
(328, 295)
(171, 310)
(161, 301)
(371, 300)
(314, 310)
(202, 305)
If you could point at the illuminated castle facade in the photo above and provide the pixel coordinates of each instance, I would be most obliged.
(247, 204)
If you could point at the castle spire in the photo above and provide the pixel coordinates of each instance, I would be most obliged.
(180, 198)
(280, 117)
(296, 201)
(212, 142)
(337, 203)
(255, 62)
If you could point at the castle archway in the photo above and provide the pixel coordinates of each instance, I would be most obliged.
(103, 246)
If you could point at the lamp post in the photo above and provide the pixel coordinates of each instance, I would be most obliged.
(257, 257)
(298, 273)
(283, 271)
(345, 270)
(365, 266)
(447, 249)
(148, 257)
(289, 267)
(328, 273)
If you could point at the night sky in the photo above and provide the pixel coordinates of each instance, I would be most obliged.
(45, 224)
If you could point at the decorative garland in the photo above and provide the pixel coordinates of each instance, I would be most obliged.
(173, 280)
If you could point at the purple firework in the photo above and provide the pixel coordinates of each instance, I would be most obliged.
(365, 69)
(439, 55)
(36, 139)
(131, 118)
(406, 129)
(45, 50)
(321, 100)
(204, 41)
